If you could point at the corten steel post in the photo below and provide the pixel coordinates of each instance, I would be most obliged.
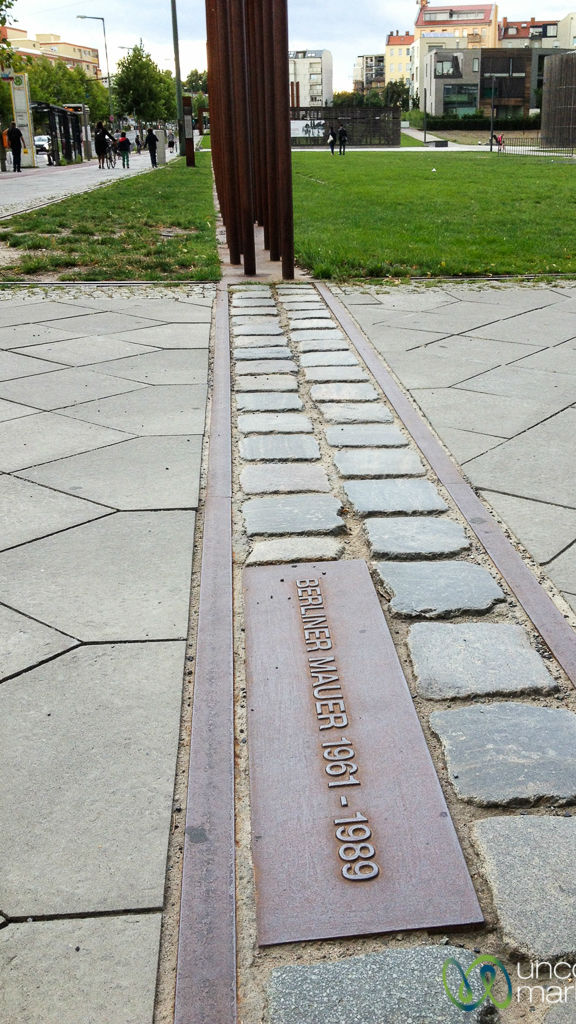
(283, 153)
(242, 132)
(255, 103)
(269, 127)
(221, 134)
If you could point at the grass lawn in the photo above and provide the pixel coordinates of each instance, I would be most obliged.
(407, 140)
(389, 214)
(157, 226)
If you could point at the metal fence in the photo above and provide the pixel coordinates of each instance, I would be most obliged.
(523, 146)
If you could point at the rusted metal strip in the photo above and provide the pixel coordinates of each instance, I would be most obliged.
(206, 972)
(539, 607)
(351, 832)
(282, 130)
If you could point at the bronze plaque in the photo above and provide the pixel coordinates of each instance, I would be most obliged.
(350, 830)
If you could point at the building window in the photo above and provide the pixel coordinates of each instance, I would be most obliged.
(448, 67)
(551, 31)
(460, 99)
(512, 30)
(475, 64)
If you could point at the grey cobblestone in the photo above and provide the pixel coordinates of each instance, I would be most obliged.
(265, 401)
(294, 513)
(355, 412)
(328, 359)
(321, 374)
(438, 590)
(378, 462)
(257, 366)
(292, 447)
(295, 549)
(365, 435)
(394, 496)
(343, 393)
(415, 537)
(267, 382)
(274, 423)
(332, 344)
(272, 352)
(282, 478)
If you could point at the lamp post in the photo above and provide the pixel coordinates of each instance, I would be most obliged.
(94, 17)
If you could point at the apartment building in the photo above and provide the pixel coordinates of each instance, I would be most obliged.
(369, 72)
(398, 57)
(310, 75)
(454, 28)
(54, 48)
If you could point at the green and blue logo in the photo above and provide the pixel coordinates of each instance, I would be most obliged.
(466, 999)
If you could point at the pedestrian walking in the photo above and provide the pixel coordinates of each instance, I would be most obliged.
(332, 140)
(342, 140)
(171, 141)
(151, 144)
(123, 146)
(101, 139)
(138, 144)
(16, 140)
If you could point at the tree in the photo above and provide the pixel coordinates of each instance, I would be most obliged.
(197, 81)
(168, 88)
(5, 48)
(373, 98)
(397, 94)
(348, 99)
(140, 87)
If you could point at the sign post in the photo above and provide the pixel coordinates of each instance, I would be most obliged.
(23, 118)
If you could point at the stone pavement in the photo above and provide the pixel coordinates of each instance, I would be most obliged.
(100, 456)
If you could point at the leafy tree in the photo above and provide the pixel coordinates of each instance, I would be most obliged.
(348, 99)
(5, 6)
(397, 94)
(373, 98)
(197, 81)
(140, 87)
(168, 88)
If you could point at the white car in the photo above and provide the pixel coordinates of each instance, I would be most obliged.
(42, 143)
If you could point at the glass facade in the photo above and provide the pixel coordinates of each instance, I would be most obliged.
(460, 99)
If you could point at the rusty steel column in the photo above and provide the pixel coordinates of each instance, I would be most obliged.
(256, 87)
(283, 152)
(244, 198)
(225, 163)
(269, 127)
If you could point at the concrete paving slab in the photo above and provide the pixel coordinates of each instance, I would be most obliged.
(509, 754)
(28, 512)
(257, 366)
(355, 412)
(22, 335)
(532, 887)
(134, 583)
(324, 345)
(475, 411)
(278, 352)
(172, 312)
(475, 659)
(14, 365)
(168, 336)
(457, 318)
(283, 479)
(31, 440)
(377, 462)
(388, 338)
(94, 730)
(165, 367)
(12, 314)
(377, 988)
(521, 382)
(546, 530)
(407, 299)
(561, 359)
(538, 464)
(467, 444)
(292, 447)
(268, 401)
(267, 382)
(12, 411)
(343, 393)
(81, 351)
(548, 327)
(25, 643)
(103, 968)
(274, 423)
(102, 323)
(414, 537)
(365, 435)
(507, 297)
(438, 590)
(62, 388)
(292, 514)
(329, 359)
(321, 374)
(152, 410)
(563, 570)
(295, 549)
(139, 474)
(393, 497)
(422, 368)
(461, 347)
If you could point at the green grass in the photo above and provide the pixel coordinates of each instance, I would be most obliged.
(391, 215)
(122, 231)
(407, 140)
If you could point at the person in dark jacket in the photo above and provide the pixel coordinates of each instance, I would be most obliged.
(342, 140)
(124, 146)
(332, 140)
(151, 144)
(101, 139)
(16, 140)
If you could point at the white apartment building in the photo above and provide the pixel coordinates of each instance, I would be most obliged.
(310, 78)
(369, 72)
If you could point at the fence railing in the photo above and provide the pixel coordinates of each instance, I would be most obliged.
(522, 146)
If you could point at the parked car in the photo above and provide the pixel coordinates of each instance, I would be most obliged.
(42, 143)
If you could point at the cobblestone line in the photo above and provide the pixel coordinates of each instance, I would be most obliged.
(326, 471)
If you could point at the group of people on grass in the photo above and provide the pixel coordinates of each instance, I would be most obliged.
(120, 144)
(342, 138)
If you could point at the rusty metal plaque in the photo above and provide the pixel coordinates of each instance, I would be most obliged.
(351, 833)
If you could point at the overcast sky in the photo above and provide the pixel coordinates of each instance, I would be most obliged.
(344, 27)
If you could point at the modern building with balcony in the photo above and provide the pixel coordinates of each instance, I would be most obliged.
(310, 75)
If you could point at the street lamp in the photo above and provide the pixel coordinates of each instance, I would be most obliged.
(94, 17)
